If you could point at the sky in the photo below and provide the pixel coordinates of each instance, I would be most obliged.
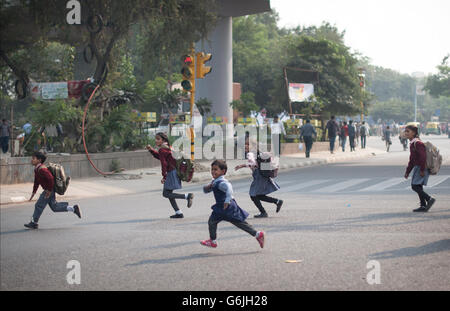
(404, 35)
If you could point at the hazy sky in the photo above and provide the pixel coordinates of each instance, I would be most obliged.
(404, 35)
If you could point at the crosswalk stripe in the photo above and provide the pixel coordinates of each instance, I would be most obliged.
(434, 181)
(341, 185)
(383, 185)
(301, 186)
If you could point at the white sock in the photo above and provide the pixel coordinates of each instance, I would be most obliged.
(186, 196)
(257, 233)
(214, 241)
(70, 209)
(178, 212)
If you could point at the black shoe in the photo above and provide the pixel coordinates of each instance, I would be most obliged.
(279, 204)
(262, 215)
(430, 204)
(190, 198)
(77, 211)
(31, 225)
(421, 209)
(177, 216)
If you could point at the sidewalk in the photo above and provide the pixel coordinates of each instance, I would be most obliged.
(149, 179)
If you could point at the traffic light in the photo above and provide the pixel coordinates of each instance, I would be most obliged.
(188, 72)
(361, 80)
(202, 70)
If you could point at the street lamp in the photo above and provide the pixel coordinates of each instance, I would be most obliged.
(362, 83)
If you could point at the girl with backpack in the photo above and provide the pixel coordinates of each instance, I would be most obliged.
(170, 178)
(261, 185)
(417, 164)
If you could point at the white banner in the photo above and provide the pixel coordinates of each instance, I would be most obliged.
(300, 92)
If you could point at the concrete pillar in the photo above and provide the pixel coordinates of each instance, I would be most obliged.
(218, 85)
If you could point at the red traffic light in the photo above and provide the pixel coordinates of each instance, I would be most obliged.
(187, 59)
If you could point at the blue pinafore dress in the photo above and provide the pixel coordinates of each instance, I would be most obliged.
(232, 213)
(262, 185)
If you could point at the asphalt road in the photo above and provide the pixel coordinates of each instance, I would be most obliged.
(335, 219)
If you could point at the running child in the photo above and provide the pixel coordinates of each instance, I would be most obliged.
(261, 185)
(226, 207)
(417, 164)
(170, 178)
(44, 178)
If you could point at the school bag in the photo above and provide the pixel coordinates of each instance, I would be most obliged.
(362, 130)
(268, 167)
(185, 169)
(61, 181)
(434, 158)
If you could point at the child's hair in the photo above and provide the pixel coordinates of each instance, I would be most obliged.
(414, 129)
(40, 156)
(164, 137)
(221, 164)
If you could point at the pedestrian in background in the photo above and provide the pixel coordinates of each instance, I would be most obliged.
(351, 135)
(307, 132)
(344, 135)
(170, 178)
(226, 208)
(44, 178)
(332, 129)
(418, 165)
(5, 134)
(363, 132)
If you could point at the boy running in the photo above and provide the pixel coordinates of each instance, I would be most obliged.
(45, 179)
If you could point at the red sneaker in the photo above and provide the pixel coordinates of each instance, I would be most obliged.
(260, 238)
(208, 243)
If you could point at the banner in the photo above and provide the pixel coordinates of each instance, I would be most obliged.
(57, 90)
(247, 121)
(300, 92)
(217, 120)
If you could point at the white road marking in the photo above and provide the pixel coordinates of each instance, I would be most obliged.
(383, 185)
(341, 185)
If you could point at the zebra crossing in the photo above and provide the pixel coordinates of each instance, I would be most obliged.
(350, 185)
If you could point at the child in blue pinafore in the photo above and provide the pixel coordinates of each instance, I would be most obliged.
(261, 185)
(226, 207)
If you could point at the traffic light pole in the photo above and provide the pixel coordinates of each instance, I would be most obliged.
(192, 102)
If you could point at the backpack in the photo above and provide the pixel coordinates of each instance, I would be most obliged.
(270, 170)
(362, 130)
(434, 158)
(185, 169)
(61, 181)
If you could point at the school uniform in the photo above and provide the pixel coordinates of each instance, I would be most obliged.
(223, 193)
(261, 186)
(417, 164)
(169, 173)
(45, 179)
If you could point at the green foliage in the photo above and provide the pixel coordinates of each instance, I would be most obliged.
(439, 84)
(394, 109)
(204, 106)
(126, 79)
(47, 113)
(246, 104)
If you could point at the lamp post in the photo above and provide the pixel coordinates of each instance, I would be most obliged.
(362, 83)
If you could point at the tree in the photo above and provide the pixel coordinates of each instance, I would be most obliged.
(439, 84)
(246, 104)
(24, 23)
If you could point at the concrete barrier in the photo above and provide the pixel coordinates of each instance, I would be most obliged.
(19, 169)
